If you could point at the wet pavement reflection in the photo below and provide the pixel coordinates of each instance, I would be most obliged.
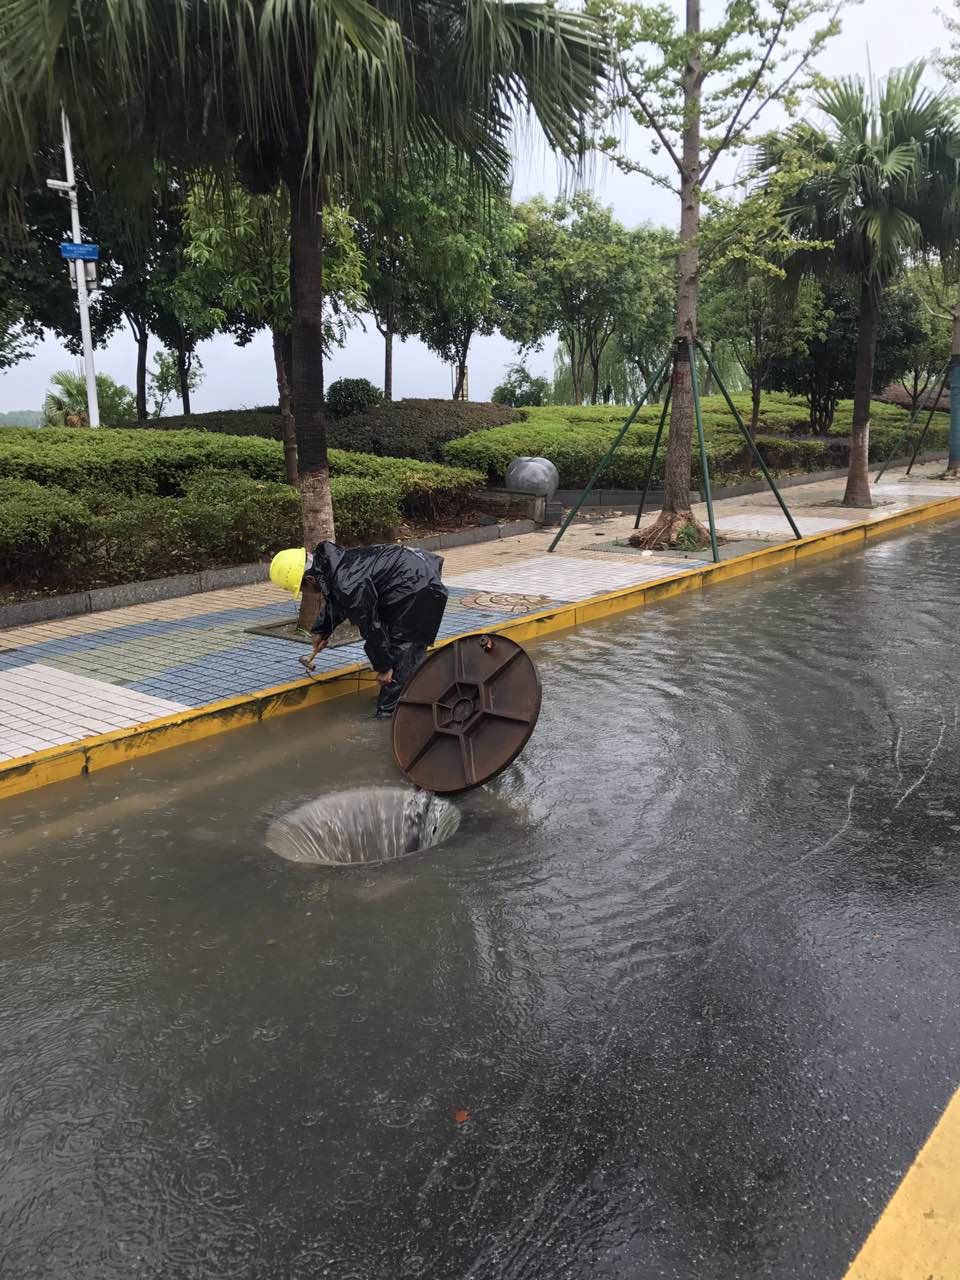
(678, 1000)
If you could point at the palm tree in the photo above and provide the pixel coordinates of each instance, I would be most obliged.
(303, 92)
(869, 196)
(65, 404)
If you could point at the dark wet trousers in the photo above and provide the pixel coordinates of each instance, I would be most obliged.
(411, 656)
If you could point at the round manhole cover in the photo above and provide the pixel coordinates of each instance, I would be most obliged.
(466, 714)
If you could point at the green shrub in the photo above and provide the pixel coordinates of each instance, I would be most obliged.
(130, 461)
(424, 490)
(800, 455)
(364, 508)
(224, 516)
(351, 395)
(137, 538)
(265, 422)
(41, 531)
(576, 438)
(402, 429)
(415, 428)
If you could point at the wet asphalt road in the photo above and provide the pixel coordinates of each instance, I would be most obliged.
(678, 1002)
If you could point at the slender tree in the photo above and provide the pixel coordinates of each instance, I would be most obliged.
(700, 92)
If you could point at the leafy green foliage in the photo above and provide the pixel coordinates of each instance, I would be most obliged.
(163, 381)
(758, 52)
(351, 395)
(66, 401)
(265, 422)
(244, 241)
(817, 358)
(579, 273)
(520, 389)
(465, 253)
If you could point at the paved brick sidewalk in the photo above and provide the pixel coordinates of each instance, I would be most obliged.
(67, 680)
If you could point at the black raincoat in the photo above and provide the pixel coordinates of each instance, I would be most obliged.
(392, 594)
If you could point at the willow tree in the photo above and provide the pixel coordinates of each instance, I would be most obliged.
(699, 93)
(297, 92)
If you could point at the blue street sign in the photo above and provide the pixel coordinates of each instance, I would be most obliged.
(85, 252)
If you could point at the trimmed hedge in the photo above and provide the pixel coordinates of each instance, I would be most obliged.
(166, 464)
(263, 422)
(52, 538)
(575, 440)
(416, 428)
(79, 507)
(402, 429)
(130, 461)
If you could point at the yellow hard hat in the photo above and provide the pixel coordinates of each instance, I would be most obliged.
(286, 569)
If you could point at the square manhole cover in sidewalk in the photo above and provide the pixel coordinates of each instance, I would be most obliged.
(345, 634)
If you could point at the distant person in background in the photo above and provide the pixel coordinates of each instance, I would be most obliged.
(607, 393)
(393, 595)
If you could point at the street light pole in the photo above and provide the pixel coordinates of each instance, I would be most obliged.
(78, 268)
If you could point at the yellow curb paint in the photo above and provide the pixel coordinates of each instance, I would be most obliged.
(283, 699)
(174, 731)
(58, 764)
(917, 1236)
(827, 542)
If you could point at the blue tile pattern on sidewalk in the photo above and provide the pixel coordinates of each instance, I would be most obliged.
(248, 664)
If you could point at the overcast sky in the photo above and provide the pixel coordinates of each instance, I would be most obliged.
(889, 33)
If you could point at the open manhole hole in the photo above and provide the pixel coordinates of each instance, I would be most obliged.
(365, 827)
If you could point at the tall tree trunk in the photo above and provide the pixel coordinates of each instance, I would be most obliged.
(756, 390)
(286, 411)
(675, 515)
(288, 365)
(306, 244)
(594, 381)
(387, 362)
(142, 337)
(858, 476)
(183, 372)
(462, 366)
(706, 377)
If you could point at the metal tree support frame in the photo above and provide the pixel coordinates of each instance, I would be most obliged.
(602, 464)
(941, 385)
(692, 347)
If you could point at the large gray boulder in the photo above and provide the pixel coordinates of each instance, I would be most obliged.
(533, 475)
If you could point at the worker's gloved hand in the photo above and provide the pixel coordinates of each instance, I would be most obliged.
(385, 677)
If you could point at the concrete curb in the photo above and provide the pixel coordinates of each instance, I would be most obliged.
(91, 754)
(52, 608)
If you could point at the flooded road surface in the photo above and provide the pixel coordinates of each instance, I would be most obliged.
(678, 1000)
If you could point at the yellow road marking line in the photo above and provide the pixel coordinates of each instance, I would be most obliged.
(917, 1237)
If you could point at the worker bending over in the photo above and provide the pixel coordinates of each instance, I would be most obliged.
(392, 594)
